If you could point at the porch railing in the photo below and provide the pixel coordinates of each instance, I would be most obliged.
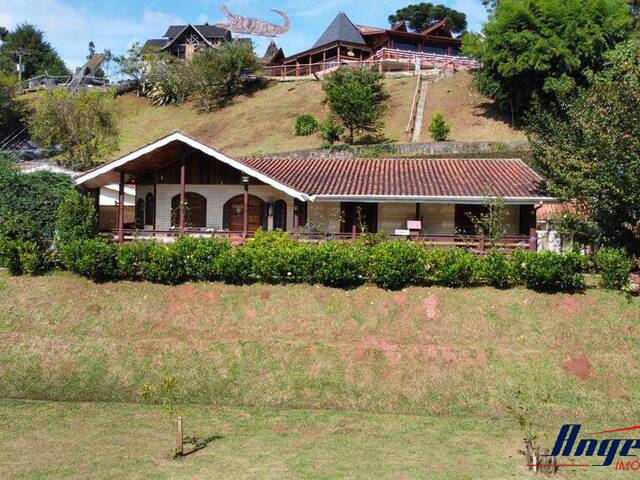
(476, 243)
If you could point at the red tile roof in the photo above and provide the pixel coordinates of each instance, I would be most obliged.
(402, 176)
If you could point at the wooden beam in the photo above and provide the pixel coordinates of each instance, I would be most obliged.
(183, 177)
(533, 230)
(121, 207)
(245, 213)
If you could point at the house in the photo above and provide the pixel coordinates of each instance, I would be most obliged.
(186, 187)
(182, 41)
(395, 48)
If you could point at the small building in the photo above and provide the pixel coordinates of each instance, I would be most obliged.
(186, 187)
(182, 41)
(394, 48)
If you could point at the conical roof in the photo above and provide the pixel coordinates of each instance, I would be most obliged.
(340, 30)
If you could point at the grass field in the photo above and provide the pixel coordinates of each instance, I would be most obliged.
(471, 116)
(305, 382)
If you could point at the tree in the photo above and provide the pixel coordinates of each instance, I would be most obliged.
(138, 64)
(3, 33)
(589, 148)
(541, 49)
(491, 224)
(422, 15)
(357, 97)
(40, 56)
(11, 112)
(217, 74)
(83, 123)
(330, 131)
(438, 127)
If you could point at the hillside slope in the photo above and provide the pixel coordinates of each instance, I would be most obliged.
(257, 123)
(471, 115)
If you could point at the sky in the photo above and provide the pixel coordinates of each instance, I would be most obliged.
(70, 25)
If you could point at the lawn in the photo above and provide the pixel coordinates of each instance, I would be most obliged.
(330, 383)
(471, 116)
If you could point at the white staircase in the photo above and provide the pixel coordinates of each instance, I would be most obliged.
(417, 128)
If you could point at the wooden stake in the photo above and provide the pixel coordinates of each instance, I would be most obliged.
(179, 438)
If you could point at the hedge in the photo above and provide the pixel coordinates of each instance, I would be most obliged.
(276, 258)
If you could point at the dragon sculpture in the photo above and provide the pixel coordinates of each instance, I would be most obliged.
(254, 26)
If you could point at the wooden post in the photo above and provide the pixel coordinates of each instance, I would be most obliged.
(245, 220)
(354, 226)
(310, 63)
(183, 177)
(324, 60)
(338, 55)
(121, 208)
(179, 438)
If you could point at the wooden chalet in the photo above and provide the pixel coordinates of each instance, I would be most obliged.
(186, 187)
(182, 41)
(393, 48)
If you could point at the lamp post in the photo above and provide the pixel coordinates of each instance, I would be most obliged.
(245, 221)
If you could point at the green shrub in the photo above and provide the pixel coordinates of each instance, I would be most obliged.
(340, 264)
(235, 266)
(330, 131)
(438, 127)
(21, 257)
(94, 259)
(614, 266)
(451, 268)
(397, 264)
(10, 257)
(132, 260)
(305, 125)
(502, 270)
(76, 218)
(163, 265)
(553, 272)
(196, 257)
(272, 257)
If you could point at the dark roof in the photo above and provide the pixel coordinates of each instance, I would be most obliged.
(156, 42)
(402, 176)
(206, 30)
(272, 51)
(340, 30)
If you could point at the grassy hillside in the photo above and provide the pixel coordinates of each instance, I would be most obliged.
(472, 116)
(261, 122)
(419, 351)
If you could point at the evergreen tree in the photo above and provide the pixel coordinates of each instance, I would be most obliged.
(40, 56)
(422, 15)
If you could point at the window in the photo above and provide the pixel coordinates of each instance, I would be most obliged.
(408, 47)
(300, 209)
(140, 213)
(150, 210)
(280, 215)
(464, 215)
(195, 215)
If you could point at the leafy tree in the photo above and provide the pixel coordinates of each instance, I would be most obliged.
(330, 130)
(3, 33)
(544, 48)
(41, 58)
(491, 224)
(83, 123)
(357, 97)
(28, 203)
(11, 112)
(438, 127)
(422, 15)
(589, 148)
(138, 64)
(305, 125)
(217, 74)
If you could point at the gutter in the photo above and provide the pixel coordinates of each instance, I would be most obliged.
(426, 199)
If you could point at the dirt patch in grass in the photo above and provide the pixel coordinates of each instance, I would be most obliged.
(368, 349)
(430, 306)
(580, 366)
(574, 304)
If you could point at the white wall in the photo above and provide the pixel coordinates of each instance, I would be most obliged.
(216, 195)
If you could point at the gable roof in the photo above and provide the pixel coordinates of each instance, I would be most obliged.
(272, 52)
(206, 30)
(340, 30)
(106, 173)
(440, 25)
(156, 42)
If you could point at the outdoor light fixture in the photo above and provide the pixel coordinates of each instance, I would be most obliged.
(245, 180)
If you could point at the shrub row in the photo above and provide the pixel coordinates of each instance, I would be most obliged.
(275, 258)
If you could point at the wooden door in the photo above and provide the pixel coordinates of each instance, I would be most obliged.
(234, 214)
(280, 215)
